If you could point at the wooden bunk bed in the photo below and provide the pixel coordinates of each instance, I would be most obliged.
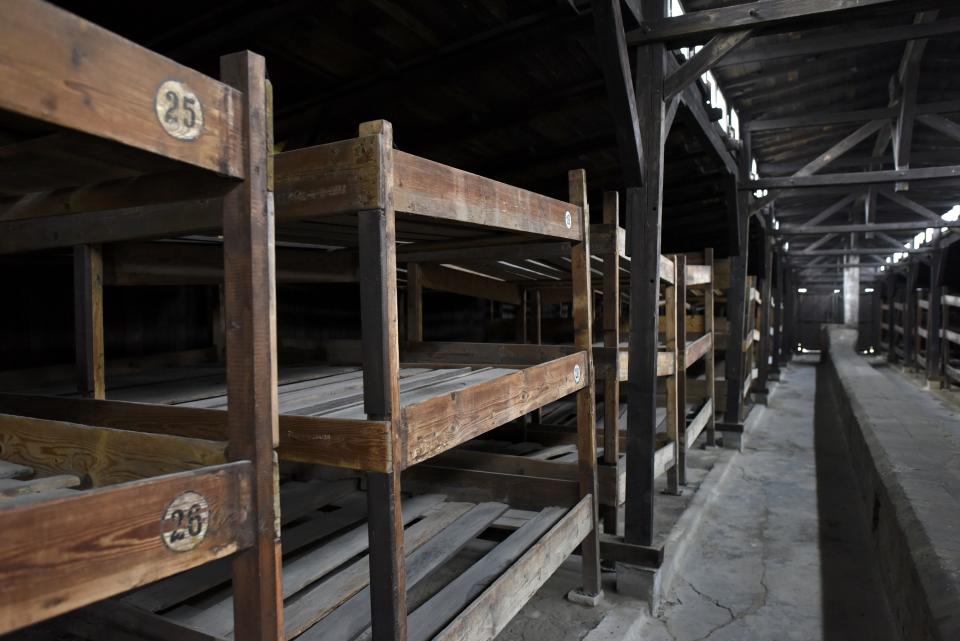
(94, 123)
(375, 407)
(951, 338)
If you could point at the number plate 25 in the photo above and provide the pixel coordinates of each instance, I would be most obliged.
(179, 110)
(185, 522)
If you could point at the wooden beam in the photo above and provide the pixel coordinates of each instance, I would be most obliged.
(696, 27)
(859, 251)
(829, 211)
(789, 230)
(381, 394)
(912, 205)
(580, 258)
(621, 99)
(766, 49)
(909, 81)
(50, 53)
(842, 117)
(948, 173)
(611, 339)
(939, 123)
(71, 567)
(702, 61)
(88, 320)
(457, 281)
(251, 335)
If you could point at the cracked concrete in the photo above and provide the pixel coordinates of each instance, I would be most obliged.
(783, 555)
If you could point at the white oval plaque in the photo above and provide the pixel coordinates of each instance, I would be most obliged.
(179, 110)
(185, 522)
(576, 373)
(568, 219)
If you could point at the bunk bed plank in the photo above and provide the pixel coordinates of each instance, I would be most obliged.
(66, 71)
(442, 422)
(105, 541)
(699, 422)
(10, 488)
(103, 456)
(696, 349)
(427, 188)
(489, 613)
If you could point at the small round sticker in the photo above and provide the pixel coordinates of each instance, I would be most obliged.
(568, 219)
(185, 522)
(576, 373)
(179, 110)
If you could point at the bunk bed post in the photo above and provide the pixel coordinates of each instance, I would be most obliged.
(777, 315)
(910, 314)
(734, 361)
(414, 303)
(88, 320)
(381, 396)
(251, 338)
(680, 289)
(763, 367)
(709, 328)
(934, 312)
(671, 306)
(891, 316)
(611, 339)
(523, 319)
(586, 402)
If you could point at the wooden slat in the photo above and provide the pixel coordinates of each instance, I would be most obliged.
(489, 613)
(696, 426)
(698, 348)
(336, 178)
(64, 70)
(699, 274)
(499, 354)
(88, 320)
(10, 488)
(449, 279)
(663, 460)
(666, 269)
(62, 554)
(437, 424)
(427, 188)
(101, 455)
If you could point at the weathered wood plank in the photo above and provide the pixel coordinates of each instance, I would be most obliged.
(61, 554)
(439, 423)
(64, 70)
(428, 188)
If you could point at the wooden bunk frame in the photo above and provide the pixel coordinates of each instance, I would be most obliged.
(90, 107)
(950, 337)
(365, 183)
(724, 340)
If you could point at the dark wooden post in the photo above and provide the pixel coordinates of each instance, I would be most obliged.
(891, 315)
(763, 367)
(934, 312)
(910, 315)
(789, 313)
(680, 289)
(586, 397)
(644, 211)
(88, 320)
(414, 303)
(709, 327)
(251, 340)
(737, 298)
(381, 397)
(778, 314)
(877, 315)
(611, 340)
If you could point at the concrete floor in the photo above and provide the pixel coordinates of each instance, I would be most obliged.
(783, 553)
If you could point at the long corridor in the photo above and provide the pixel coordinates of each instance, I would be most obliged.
(784, 552)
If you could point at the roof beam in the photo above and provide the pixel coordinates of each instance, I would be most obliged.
(697, 27)
(860, 251)
(861, 115)
(909, 79)
(702, 61)
(919, 225)
(944, 125)
(761, 51)
(830, 211)
(854, 178)
(911, 205)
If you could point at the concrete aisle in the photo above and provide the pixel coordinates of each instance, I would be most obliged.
(784, 555)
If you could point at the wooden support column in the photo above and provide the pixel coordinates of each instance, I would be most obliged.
(891, 315)
(611, 339)
(910, 314)
(673, 403)
(680, 320)
(934, 312)
(586, 397)
(644, 212)
(709, 327)
(778, 313)
(251, 343)
(736, 313)
(763, 367)
(88, 320)
(414, 303)
(381, 397)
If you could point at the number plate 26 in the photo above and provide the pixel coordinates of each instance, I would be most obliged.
(185, 522)
(179, 110)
